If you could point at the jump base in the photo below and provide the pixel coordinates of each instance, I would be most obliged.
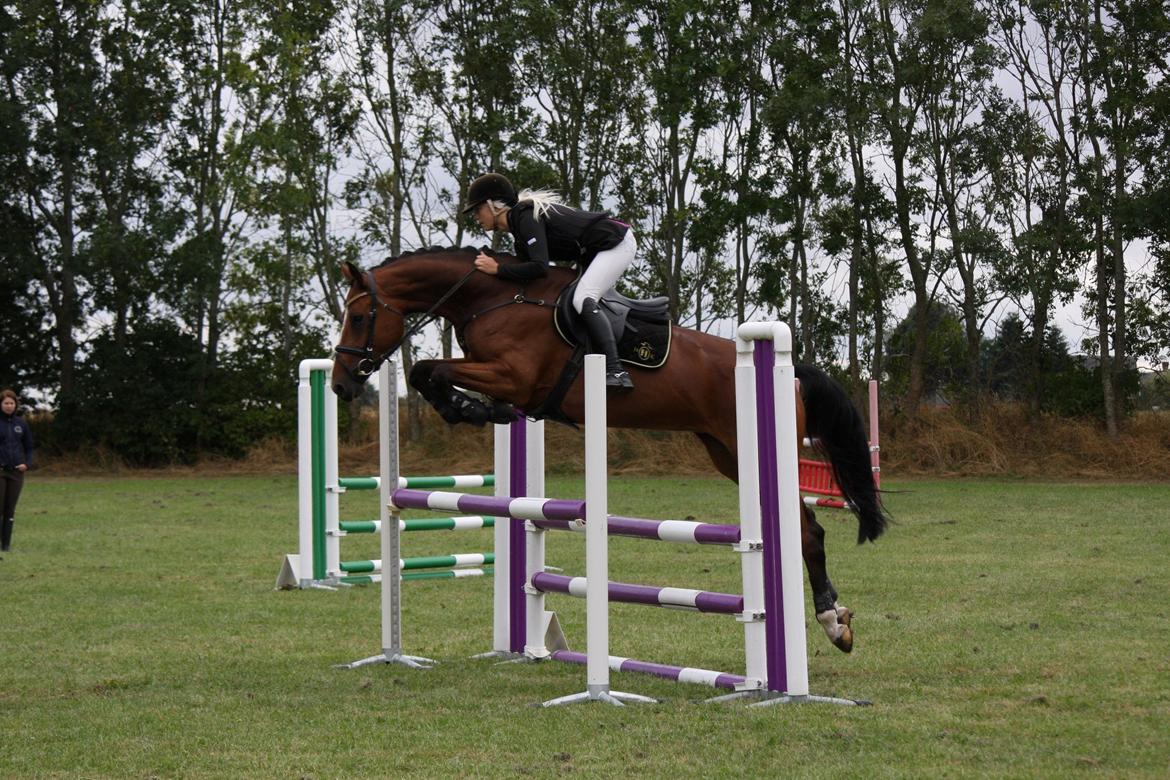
(412, 661)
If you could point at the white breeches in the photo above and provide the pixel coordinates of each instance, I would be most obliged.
(602, 274)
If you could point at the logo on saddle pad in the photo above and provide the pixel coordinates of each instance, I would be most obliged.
(645, 352)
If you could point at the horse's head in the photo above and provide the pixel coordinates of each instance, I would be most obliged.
(371, 331)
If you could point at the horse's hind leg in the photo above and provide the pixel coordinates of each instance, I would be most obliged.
(834, 619)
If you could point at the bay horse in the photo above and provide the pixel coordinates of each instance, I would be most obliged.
(513, 356)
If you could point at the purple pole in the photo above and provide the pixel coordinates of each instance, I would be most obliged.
(518, 477)
(765, 363)
(677, 673)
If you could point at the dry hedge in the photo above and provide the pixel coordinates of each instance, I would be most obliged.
(937, 443)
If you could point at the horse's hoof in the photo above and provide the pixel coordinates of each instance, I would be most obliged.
(501, 413)
(844, 642)
(844, 616)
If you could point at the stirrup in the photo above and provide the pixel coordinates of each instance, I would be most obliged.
(619, 381)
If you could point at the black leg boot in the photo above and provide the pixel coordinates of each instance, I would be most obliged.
(6, 534)
(617, 379)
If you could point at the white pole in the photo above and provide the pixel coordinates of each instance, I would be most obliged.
(391, 580)
(534, 628)
(500, 625)
(596, 520)
(332, 490)
(875, 447)
(751, 546)
(788, 493)
(596, 547)
(388, 469)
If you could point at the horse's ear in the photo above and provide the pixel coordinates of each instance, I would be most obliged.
(351, 273)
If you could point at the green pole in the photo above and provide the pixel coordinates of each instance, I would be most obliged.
(439, 523)
(365, 579)
(358, 483)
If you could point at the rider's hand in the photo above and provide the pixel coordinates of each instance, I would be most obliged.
(487, 264)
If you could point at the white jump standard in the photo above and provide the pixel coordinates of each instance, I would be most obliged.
(768, 540)
(318, 563)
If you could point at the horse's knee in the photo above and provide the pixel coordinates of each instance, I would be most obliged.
(812, 527)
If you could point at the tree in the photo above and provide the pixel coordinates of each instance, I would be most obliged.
(961, 75)
(684, 42)
(51, 61)
(944, 367)
(305, 120)
(904, 50)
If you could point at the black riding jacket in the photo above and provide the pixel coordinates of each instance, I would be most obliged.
(564, 233)
(15, 442)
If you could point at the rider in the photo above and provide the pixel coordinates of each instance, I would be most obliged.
(540, 224)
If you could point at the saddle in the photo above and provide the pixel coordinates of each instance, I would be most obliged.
(640, 328)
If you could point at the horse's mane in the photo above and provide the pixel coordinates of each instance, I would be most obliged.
(434, 250)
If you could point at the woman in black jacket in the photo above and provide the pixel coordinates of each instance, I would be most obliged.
(543, 228)
(15, 458)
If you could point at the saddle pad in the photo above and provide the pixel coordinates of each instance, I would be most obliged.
(640, 343)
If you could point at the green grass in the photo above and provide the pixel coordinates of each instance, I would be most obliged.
(1003, 629)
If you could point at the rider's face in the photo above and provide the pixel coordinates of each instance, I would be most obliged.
(485, 217)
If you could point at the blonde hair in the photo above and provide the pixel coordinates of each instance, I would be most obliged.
(543, 201)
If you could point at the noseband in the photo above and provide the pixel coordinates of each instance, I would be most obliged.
(368, 359)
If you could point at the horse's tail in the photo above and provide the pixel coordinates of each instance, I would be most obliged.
(834, 422)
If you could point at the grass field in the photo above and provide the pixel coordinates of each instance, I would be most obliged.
(1003, 629)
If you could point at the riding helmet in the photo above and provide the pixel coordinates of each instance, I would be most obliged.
(490, 186)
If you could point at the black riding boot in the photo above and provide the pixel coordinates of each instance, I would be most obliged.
(6, 534)
(617, 379)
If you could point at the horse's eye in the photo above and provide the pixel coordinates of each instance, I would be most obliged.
(356, 319)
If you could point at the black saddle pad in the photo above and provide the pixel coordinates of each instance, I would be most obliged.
(641, 328)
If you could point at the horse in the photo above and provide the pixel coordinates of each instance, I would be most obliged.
(513, 356)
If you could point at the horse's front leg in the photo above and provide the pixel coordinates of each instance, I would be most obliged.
(436, 381)
(834, 618)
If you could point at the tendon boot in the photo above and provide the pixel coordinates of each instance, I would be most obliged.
(6, 534)
(617, 379)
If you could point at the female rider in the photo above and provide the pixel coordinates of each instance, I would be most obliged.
(542, 226)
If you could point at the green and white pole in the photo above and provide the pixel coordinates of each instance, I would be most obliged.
(316, 414)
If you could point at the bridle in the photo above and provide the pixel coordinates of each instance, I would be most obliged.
(368, 359)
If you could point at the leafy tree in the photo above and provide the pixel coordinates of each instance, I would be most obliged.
(802, 121)
(902, 54)
(944, 365)
(961, 77)
(1120, 43)
(305, 122)
(211, 168)
(51, 61)
(579, 69)
(684, 44)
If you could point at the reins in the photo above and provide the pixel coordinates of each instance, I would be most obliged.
(369, 360)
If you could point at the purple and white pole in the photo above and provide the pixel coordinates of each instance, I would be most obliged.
(765, 382)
